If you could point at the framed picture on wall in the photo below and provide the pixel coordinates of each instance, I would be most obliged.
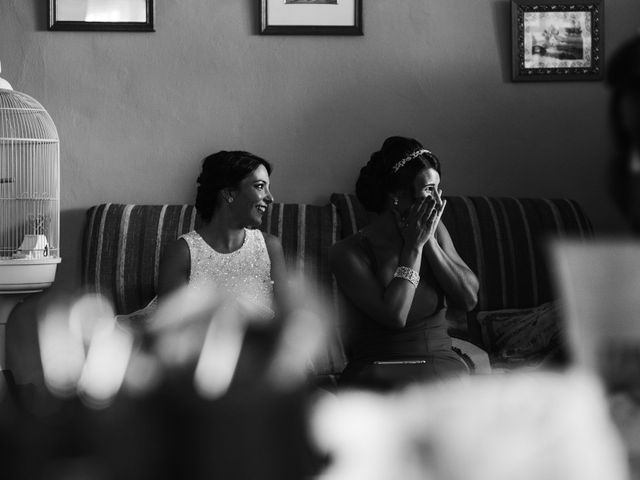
(311, 17)
(113, 15)
(557, 40)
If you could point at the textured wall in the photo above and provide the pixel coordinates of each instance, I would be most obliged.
(136, 112)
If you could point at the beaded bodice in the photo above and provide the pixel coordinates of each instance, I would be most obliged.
(244, 273)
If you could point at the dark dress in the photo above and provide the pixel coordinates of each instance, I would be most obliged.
(384, 358)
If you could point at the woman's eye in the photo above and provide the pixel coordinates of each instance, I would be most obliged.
(260, 187)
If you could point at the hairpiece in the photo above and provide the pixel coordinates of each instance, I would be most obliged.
(408, 158)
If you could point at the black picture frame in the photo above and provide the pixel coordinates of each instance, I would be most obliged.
(293, 28)
(55, 23)
(570, 48)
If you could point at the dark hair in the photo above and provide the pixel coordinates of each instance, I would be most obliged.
(223, 170)
(623, 78)
(377, 178)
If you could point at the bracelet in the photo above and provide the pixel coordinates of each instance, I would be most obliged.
(408, 274)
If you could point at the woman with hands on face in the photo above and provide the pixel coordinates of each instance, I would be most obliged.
(400, 272)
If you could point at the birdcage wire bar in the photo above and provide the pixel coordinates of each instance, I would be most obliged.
(29, 181)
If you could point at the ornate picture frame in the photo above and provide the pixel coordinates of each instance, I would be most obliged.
(102, 15)
(311, 17)
(556, 40)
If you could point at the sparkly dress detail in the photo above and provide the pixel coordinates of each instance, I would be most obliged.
(244, 274)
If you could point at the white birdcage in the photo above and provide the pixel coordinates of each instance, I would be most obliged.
(29, 193)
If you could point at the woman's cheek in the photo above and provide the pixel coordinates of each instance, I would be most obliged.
(423, 194)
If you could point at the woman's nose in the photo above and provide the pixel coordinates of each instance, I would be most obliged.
(269, 197)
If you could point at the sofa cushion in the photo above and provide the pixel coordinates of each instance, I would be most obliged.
(306, 233)
(122, 248)
(517, 338)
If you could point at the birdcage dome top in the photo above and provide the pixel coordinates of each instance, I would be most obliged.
(23, 118)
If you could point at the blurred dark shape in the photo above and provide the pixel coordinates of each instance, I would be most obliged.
(623, 78)
(169, 432)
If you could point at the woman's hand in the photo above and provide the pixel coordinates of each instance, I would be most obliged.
(454, 276)
(421, 223)
(440, 204)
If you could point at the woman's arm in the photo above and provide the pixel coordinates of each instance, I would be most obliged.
(279, 275)
(175, 265)
(388, 305)
(454, 276)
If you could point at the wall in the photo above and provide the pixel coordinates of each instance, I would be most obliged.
(136, 112)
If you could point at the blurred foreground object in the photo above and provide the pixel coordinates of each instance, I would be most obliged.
(551, 426)
(623, 79)
(598, 283)
(205, 388)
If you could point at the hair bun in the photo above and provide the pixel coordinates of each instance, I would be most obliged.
(370, 184)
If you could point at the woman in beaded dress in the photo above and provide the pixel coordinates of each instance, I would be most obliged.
(229, 253)
(400, 272)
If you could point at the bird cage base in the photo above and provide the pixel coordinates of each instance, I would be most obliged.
(25, 276)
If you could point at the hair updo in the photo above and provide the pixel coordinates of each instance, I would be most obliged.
(377, 178)
(225, 169)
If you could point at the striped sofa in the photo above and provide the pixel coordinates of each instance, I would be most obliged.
(501, 239)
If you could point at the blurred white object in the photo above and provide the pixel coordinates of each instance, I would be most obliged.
(599, 284)
(87, 350)
(551, 426)
(84, 351)
(220, 352)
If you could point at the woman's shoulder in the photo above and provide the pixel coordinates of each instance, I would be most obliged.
(269, 239)
(178, 247)
(271, 242)
(349, 247)
(347, 242)
(175, 264)
(187, 238)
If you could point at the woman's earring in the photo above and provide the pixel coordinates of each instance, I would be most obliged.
(395, 202)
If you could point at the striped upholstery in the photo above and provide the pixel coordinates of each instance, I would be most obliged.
(122, 248)
(306, 233)
(501, 239)
(123, 244)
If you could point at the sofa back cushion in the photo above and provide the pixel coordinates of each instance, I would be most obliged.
(123, 245)
(503, 240)
(306, 233)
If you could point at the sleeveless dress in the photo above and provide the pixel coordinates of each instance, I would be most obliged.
(382, 357)
(244, 274)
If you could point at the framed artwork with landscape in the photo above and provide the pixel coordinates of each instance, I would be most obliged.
(557, 40)
(311, 17)
(105, 15)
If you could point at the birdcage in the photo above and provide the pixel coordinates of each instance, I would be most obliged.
(29, 193)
